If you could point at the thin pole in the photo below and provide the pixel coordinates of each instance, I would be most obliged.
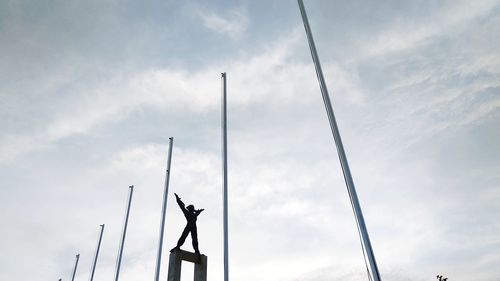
(340, 149)
(224, 170)
(120, 252)
(96, 253)
(164, 209)
(74, 269)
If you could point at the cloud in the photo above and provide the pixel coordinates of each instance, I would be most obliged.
(233, 24)
(271, 76)
(404, 35)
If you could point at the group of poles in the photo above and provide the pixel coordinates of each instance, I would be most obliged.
(94, 263)
(368, 254)
(164, 206)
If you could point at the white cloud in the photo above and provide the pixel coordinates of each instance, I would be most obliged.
(233, 24)
(410, 35)
(271, 76)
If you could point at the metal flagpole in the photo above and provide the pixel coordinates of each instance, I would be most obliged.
(164, 209)
(224, 170)
(97, 252)
(120, 252)
(74, 269)
(340, 149)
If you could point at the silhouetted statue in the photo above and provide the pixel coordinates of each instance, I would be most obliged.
(191, 215)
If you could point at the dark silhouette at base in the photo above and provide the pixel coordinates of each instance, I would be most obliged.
(191, 215)
(440, 278)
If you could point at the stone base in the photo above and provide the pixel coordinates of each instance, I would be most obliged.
(175, 261)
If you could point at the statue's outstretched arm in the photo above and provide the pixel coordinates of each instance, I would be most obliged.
(199, 211)
(179, 201)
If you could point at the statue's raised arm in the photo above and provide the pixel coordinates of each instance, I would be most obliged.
(179, 201)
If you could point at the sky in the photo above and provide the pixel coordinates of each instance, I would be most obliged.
(90, 92)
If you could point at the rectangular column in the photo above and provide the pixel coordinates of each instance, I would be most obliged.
(200, 269)
(174, 266)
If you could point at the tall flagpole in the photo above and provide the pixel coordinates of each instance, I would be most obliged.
(96, 253)
(74, 269)
(224, 171)
(340, 149)
(164, 209)
(122, 243)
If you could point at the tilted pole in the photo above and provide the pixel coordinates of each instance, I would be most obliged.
(74, 269)
(164, 209)
(224, 174)
(340, 149)
(96, 253)
(120, 251)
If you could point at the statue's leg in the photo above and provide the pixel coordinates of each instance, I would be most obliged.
(194, 238)
(183, 237)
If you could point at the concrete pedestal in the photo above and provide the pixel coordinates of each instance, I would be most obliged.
(175, 261)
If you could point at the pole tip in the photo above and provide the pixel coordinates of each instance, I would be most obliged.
(132, 186)
(223, 74)
(171, 138)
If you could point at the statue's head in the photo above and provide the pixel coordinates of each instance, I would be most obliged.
(190, 208)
